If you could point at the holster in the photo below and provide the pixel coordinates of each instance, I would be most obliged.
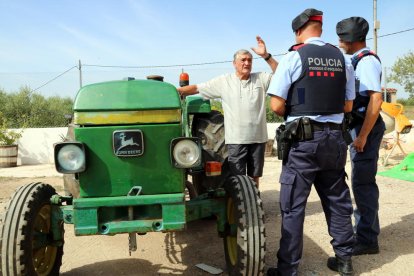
(284, 142)
(346, 128)
(354, 118)
(286, 134)
(304, 130)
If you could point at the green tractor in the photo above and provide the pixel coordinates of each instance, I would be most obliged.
(138, 159)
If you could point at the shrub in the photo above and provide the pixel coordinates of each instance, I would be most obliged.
(8, 137)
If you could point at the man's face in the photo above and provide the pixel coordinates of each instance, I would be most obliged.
(346, 46)
(243, 64)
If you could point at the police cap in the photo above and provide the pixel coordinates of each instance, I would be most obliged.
(304, 17)
(352, 29)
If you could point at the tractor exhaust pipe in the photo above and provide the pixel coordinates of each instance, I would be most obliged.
(155, 77)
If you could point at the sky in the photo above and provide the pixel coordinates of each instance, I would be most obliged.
(42, 42)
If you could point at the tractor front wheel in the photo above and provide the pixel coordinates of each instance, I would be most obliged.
(244, 238)
(27, 244)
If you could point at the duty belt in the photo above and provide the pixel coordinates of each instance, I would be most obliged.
(318, 126)
(302, 129)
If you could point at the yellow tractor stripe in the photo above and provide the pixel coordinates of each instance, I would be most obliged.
(127, 117)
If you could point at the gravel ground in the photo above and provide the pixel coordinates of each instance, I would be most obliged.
(178, 253)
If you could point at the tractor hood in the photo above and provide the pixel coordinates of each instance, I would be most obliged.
(127, 102)
(127, 95)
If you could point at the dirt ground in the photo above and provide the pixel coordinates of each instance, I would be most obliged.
(178, 253)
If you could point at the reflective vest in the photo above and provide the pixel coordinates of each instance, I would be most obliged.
(360, 104)
(320, 89)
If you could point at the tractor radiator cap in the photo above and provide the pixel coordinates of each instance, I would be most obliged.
(155, 77)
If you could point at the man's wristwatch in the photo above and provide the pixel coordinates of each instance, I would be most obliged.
(269, 55)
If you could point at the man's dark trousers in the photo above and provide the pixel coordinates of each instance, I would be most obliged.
(320, 161)
(364, 185)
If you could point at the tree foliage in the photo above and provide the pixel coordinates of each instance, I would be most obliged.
(406, 102)
(403, 73)
(216, 105)
(24, 109)
(8, 136)
(271, 117)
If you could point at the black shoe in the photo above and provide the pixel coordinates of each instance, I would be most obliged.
(344, 267)
(272, 271)
(362, 249)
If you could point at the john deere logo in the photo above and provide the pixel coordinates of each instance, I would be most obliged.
(128, 143)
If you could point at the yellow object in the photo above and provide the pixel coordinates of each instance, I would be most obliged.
(395, 110)
(127, 117)
(395, 117)
(402, 124)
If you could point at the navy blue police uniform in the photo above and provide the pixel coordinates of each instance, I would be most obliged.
(367, 66)
(314, 79)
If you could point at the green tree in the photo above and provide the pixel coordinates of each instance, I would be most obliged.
(216, 105)
(402, 72)
(7, 136)
(27, 109)
(49, 112)
(3, 98)
(405, 102)
(17, 108)
(271, 117)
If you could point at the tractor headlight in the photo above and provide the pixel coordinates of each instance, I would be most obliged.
(70, 157)
(186, 152)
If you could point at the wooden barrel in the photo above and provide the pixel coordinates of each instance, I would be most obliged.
(8, 156)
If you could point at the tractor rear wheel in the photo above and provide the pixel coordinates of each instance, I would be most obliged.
(244, 238)
(210, 129)
(27, 245)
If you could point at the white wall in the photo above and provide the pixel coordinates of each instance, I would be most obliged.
(271, 130)
(36, 145)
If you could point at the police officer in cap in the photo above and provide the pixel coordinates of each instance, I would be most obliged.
(312, 88)
(367, 130)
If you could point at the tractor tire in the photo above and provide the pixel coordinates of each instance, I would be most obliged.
(244, 238)
(70, 182)
(210, 129)
(26, 237)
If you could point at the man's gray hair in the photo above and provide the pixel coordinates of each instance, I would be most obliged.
(241, 52)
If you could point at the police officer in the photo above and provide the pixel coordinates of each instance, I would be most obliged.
(313, 81)
(367, 131)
